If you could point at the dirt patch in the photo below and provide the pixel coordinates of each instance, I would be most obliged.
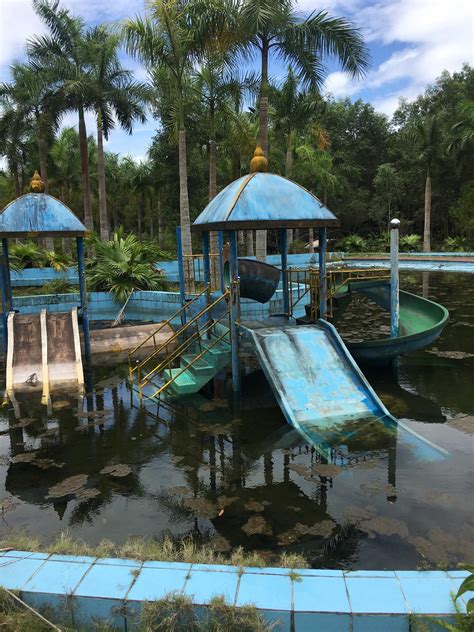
(257, 525)
(117, 471)
(71, 486)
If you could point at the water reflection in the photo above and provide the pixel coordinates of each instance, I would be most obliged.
(235, 472)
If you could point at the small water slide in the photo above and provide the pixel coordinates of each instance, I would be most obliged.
(44, 352)
(323, 393)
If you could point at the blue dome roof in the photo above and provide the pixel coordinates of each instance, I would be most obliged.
(264, 200)
(39, 213)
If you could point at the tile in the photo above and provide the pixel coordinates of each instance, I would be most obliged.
(56, 577)
(421, 574)
(155, 583)
(379, 622)
(115, 561)
(318, 572)
(109, 582)
(321, 594)
(15, 574)
(87, 610)
(279, 619)
(428, 595)
(390, 574)
(27, 554)
(375, 595)
(215, 568)
(313, 622)
(458, 574)
(61, 604)
(171, 565)
(267, 570)
(202, 586)
(86, 559)
(272, 592)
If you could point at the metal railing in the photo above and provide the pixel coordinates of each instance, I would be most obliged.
(305, 281)
(186, 337)
(161, 347)
(194, 266)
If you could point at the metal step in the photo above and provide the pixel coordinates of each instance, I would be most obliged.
(182, 384)
(200, 366)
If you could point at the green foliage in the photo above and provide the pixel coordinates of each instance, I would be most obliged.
(122, 265)
(467, 586)
(14, 618)
(176, 613)
(454, 244)
(353, 243)
(463, 212)
(59, 261)
(411, 243)
(58, 286)
(26, 254)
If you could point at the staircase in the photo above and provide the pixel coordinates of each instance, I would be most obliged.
(200, 348)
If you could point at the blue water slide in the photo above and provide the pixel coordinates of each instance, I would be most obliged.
(323, 393)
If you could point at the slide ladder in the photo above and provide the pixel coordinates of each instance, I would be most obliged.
(44, 352)
(200, 348)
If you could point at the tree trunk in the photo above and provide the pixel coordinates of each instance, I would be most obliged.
(103, 218)
(289, 156)
(186, 242)
(249, 247)
(261, 244)
(427, 229)
(310, 240)
(261, 235)
(213, 238)
(48, 242)
(141, 208)
(86, 186)
(161, 225)
(16, 178)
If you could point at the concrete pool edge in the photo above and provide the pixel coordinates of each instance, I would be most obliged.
(86, 588)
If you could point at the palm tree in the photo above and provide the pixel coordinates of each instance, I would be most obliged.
(115, 96)
(66, 54)
(15, 134)
(426, 135)
(30, 92)
(274, 27)
(166, 38)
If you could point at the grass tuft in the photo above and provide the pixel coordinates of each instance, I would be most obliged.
(143, 549)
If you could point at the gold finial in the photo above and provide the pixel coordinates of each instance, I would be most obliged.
(36, 184)
(258, 163)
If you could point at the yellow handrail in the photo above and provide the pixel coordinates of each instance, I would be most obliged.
(182, 329)
(194, 360)
(152, 335)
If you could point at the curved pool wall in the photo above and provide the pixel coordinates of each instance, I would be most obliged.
(81, 590)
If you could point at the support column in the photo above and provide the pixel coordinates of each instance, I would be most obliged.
(394, 279)
(207, 269)
(180, 265)
(234, 310)
(284, 270)
(3, 290)
(83, 295)
(322, 274)
(220, 242)
(7, 279)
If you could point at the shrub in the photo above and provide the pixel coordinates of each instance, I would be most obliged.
(123, 264)
(26, 254)
(412, 243)
(454, 244)
(353, 243)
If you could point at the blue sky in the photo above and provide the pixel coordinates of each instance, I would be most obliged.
(411, 42)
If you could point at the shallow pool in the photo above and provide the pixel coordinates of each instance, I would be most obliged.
(235, 473)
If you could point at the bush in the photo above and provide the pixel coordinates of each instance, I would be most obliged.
(123, 264)
(353, 243)
(26, 254)
(412, 243)
(297, 248)
(454, 244)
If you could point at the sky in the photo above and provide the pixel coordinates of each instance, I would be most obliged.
(410, 41)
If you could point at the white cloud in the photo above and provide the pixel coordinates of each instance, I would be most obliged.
(340, 84)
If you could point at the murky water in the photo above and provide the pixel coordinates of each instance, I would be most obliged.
(236, 473)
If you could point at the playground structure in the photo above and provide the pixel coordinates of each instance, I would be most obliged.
(43, 351)
(314, 377)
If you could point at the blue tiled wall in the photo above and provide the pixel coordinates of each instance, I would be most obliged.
(83, 589)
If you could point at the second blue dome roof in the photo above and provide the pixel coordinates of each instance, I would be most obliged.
(264, 200)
